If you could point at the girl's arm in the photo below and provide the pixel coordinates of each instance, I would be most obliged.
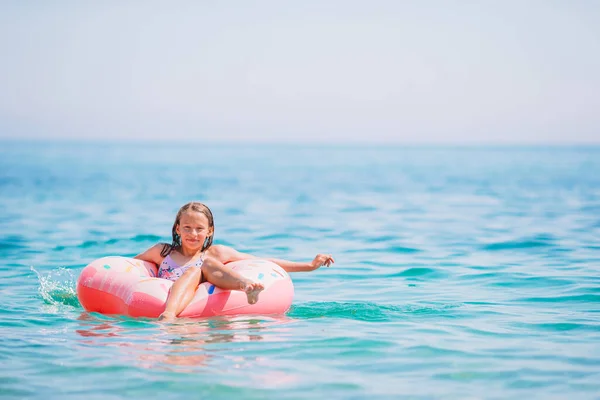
(227, 254)
(152, 254)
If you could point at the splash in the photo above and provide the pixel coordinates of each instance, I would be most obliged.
(57, 287)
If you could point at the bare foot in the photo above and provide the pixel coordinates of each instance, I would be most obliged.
(252, 290)
(167, 316)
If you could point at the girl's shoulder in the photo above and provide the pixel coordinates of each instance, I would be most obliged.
(227, 254)
(156, 253)
(219, 252)
(164, 248)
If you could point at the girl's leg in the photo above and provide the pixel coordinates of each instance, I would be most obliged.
(224, 277)
(182, 292)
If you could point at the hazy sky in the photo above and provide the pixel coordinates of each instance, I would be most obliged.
(303, 71)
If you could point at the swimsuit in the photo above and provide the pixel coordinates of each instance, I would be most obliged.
(170, 270)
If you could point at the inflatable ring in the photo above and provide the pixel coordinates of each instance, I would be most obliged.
(127, 286)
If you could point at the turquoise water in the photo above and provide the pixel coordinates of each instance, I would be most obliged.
(460, 272)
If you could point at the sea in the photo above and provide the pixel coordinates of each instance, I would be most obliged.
(461, 272)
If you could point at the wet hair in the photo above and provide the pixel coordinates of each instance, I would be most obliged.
(192, 206)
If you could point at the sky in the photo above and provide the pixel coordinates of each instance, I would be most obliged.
(408, 72)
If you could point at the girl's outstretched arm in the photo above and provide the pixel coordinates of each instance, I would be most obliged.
(291, 266)
(227, 254)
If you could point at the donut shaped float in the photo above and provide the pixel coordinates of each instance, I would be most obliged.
(127, 286)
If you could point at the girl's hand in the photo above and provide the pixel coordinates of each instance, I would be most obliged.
(322, 259)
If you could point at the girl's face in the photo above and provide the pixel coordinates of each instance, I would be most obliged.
(193, 228)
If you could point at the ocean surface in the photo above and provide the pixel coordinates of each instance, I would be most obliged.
(461, 272)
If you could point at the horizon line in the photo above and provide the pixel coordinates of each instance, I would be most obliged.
(310, 143)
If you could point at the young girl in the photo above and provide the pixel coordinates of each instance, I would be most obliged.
(192, 258)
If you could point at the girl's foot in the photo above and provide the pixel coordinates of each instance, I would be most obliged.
(252, 290)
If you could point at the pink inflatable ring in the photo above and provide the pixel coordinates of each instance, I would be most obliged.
(126, 286)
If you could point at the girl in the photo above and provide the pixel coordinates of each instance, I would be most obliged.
(191, 258)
